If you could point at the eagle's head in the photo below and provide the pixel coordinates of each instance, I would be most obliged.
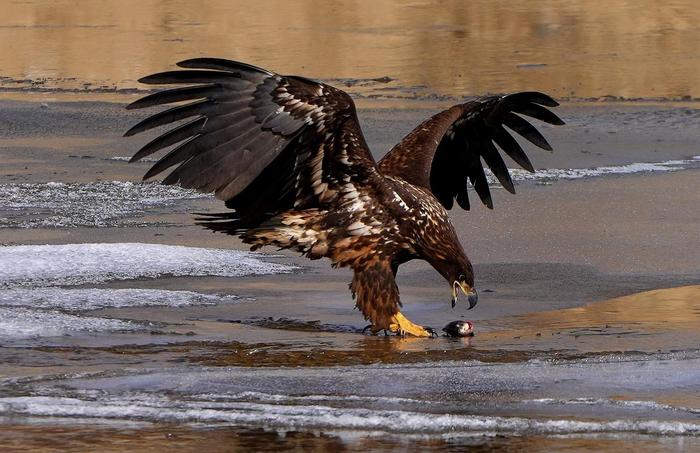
(459, 273)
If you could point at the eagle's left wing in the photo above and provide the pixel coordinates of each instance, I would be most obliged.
(446, 150)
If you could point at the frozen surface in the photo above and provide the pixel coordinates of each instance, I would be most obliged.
(445, 398)
(95, 298)
(553, 174)
(21, 323)
(164, 409)
(93, 204)
(77, 264)
(453, 382)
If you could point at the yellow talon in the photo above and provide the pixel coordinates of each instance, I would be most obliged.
(402, 326)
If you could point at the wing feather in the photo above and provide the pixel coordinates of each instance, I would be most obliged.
(526, 130)
(447, 149)
(510, 146)
(256, 138)
(177, 95)
(205, 107)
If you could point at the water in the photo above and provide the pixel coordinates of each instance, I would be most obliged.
(425, 49)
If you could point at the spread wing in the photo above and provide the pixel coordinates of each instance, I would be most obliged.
(446, 150)
(263, 142)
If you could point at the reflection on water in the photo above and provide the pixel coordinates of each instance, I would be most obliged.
(664, 319)
(117, 439)
(570, 49)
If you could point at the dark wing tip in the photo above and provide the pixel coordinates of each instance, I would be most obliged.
(130, 132)
(150, 79)
(545, 146)
(220, 64)
(203, 61)
(538, 98)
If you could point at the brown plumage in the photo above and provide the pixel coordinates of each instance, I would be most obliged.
(288, 157)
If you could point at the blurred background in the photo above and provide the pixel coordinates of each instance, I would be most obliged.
(415, 49)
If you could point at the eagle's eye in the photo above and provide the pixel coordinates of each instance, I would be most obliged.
(462, 277)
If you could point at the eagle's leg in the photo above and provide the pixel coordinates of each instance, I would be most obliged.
(402, 326)
(377, 297)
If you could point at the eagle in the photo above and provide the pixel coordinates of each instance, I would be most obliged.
(288, 157)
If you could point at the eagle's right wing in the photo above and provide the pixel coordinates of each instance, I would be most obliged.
(263, 142)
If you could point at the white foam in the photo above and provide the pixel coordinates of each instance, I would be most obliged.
(93, 204)
(160, 408)
(19, 323)
(276, 397)
(628, 404)
(552, 174)
(77, 264)
(127, 159)
(92, 298)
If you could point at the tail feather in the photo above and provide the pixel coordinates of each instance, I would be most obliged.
(223, 222)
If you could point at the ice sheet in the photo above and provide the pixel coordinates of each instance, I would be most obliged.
(95, 298)
(77, 264)
(161, 408)
(554, 174)
(93, 204)
(20, 323)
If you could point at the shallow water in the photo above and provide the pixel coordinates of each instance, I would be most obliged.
(388, 49)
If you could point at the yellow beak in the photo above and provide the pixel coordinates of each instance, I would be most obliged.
(471, 293)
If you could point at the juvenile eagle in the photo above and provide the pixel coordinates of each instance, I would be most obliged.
(288, 157)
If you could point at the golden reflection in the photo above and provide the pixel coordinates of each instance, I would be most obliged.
(100, 436)
(659, 320)
(662, 309)
(626, 48)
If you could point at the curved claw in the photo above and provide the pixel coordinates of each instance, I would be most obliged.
(431, 331)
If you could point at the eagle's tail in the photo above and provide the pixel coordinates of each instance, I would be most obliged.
(223, 222)
(295, 230)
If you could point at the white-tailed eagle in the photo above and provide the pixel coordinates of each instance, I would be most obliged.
(288, 157)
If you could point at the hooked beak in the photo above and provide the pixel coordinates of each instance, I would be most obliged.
(472, 295)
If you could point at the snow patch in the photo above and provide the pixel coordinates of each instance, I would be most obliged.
(93, 204)
(553, 174)
(78, 264)
(20, 323)
(93, 298)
